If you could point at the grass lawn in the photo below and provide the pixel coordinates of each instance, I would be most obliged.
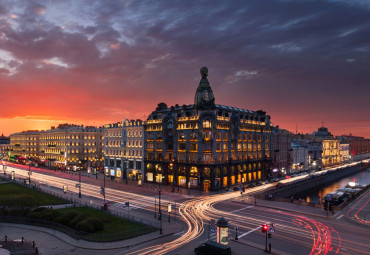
(15, 192)
(115, 228)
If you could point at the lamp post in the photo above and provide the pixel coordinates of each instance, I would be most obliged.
(104, 184)
(79, 183)
(29, 172)
(159, 209)
(125, 169)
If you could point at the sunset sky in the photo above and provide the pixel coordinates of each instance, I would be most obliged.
(97, 62)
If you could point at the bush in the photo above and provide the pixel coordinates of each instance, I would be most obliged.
(73, 222)
(62, 219)
(49, 215)
(40, 209)
(98, 224)
(85, 226)
(71, 215)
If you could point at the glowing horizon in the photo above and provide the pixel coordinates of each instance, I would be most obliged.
(93, 63)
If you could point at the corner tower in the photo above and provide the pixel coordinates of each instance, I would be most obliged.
(204, 98)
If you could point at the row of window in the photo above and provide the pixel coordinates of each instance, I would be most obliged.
(119, 163)
(86, 137)
(130, 143)
(124, 153)
(124, 133)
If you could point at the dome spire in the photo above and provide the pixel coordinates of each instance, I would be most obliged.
(204, 98)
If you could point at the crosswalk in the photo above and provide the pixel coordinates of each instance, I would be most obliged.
(133, 205)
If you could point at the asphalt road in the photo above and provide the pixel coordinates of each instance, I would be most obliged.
(294, 233)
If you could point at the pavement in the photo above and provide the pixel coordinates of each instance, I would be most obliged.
(284, 206)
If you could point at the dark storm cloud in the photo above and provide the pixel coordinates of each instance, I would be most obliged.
(278, 55)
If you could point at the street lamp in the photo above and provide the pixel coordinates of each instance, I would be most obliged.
(81, 161)
(29, 171)
(159, 209)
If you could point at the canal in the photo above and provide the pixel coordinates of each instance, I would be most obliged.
(315, 195)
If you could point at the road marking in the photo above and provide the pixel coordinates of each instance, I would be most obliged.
(250, 231)
(242, 209)
(179, 233)
(340, 216)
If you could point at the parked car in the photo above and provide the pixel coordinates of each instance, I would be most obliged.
(275, 180)
(294, 175)
(212, 248)
(300, 174)
(251, 185)
(259, 183)
(236, 189)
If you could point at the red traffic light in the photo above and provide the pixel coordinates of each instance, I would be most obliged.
(264, 228)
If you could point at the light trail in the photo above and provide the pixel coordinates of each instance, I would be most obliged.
(196, 211)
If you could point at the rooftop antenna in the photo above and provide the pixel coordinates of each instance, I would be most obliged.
(296, 128)
(322, 123)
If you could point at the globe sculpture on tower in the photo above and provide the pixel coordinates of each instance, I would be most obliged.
(204, 98)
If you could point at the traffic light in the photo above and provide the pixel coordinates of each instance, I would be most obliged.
(264, 228)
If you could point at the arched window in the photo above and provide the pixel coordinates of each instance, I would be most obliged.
(218, 136)
(207, 124)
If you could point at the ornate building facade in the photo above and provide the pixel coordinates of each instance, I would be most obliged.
(71, 145)
(123, 149)
(205, 145)
(24, 145)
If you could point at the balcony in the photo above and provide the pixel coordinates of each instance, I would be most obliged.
(192, 118)
(223, 118)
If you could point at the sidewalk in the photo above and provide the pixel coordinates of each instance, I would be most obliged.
(284, 206)
(33, 233)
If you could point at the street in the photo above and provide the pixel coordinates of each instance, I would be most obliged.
(295, 233)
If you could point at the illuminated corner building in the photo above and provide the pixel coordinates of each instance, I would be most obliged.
(123, 149)
(24, 145)
(330, 147)
(71, 145)
(205, 145)
(4, 146)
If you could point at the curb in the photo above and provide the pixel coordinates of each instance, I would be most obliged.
(288, 210)
(259, 248)
(44, 230)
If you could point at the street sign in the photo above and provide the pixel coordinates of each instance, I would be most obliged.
(173, 206)
(212, 229)
(272, 230)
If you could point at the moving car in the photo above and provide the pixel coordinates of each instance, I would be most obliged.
(212, 248)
